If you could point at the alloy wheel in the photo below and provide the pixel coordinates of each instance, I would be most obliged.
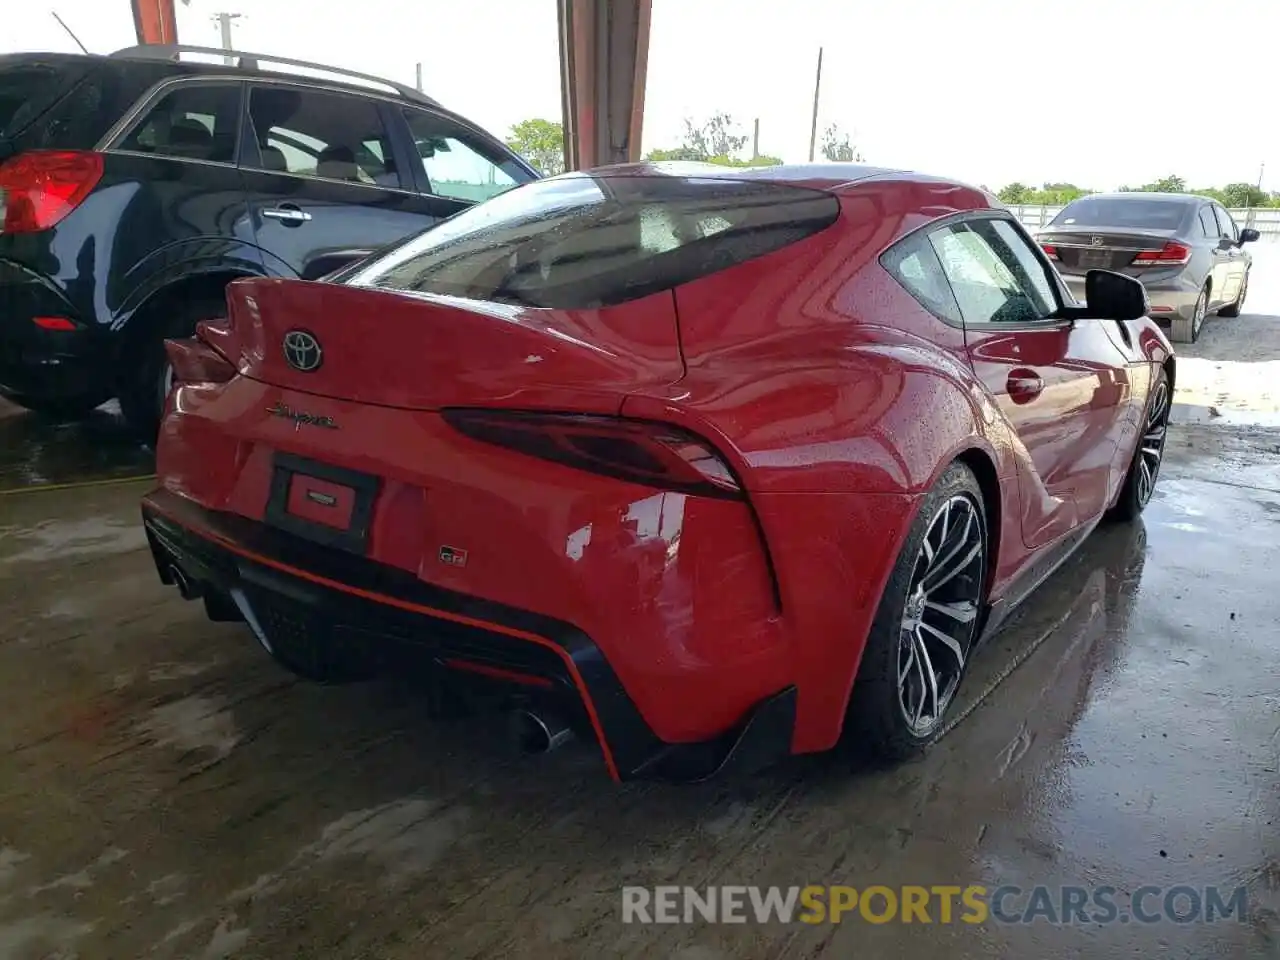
(1202, 308)
(1151, 451)
(940, 613)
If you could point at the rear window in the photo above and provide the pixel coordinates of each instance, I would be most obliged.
(578, 242)
(28, 89)
(1121, 212)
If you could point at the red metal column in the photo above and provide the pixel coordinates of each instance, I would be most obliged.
(154, 21)
(604, 52)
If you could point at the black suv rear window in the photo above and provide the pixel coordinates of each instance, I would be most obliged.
(28, 89)
(578, 242)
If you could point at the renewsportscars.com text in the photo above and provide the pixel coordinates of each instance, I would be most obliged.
(940, 904)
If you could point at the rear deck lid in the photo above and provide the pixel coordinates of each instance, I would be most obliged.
(563, 284)
(426, 351)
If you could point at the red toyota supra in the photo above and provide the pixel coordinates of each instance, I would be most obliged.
(707, 465)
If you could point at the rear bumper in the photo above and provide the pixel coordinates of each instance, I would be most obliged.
(1170, 295)
(40, 363)
(294, 584)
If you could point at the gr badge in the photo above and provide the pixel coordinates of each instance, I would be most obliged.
(453, 557)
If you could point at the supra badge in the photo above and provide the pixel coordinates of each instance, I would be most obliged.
(300, 417)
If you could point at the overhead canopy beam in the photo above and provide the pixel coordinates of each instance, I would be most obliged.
(154, 21)
(604, 53)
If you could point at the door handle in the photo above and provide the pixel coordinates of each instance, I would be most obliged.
(287, 213)
(1024, 386)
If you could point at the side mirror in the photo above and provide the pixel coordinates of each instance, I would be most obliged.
(1113, 296)
(1249, 235)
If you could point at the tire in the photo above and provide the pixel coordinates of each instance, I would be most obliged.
(1148, 455)
(68, 408)
(891, 677)
(1187, 329)
(145, 388)
(1232, 310)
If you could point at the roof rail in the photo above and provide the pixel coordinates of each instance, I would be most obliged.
(250, 61)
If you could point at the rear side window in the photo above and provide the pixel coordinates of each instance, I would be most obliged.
(1227, 225)
(315, 133)
(914, 264)
(578, 242)
(458, 165)
(1207, 225)
(191, 122)
(28, 89)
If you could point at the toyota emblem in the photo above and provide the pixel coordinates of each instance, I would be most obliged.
(1095, 241)
(302, 351)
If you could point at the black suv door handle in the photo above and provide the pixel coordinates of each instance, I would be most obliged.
(288, 213)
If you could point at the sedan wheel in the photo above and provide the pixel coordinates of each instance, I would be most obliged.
(1238, 304)
(938, 617)
(1187, 329)
(919, 643)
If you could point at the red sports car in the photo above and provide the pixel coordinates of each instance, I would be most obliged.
(709, 465)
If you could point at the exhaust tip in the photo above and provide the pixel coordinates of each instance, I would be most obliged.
(536, 732)
(186, 589)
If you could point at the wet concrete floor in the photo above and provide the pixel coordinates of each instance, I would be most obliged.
(166, 791)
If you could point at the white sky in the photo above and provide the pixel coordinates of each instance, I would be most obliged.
(1096, 92)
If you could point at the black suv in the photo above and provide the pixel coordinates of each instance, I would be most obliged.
(134, 187)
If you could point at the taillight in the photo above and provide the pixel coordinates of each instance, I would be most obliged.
(53, 323)
(1050, 250)
(639, 451)
(40, 187)
(196, 361)
(1172, 255)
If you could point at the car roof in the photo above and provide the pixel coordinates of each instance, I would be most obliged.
(1145, 195)
(235, 71)
(823, 176)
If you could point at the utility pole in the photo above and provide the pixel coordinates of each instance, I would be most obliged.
(420, 78)
(817, 91)
(755, 141)
(224, 26)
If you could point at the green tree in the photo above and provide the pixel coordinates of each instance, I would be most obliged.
(1169, 184)
(1060, 194)
(1244, 195)
(1015, 192)
(715, 140)
(716, 137)
(837, 147)
(541, 142)
(675, 153)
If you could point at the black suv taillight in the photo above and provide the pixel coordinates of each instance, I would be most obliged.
(40, 187)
